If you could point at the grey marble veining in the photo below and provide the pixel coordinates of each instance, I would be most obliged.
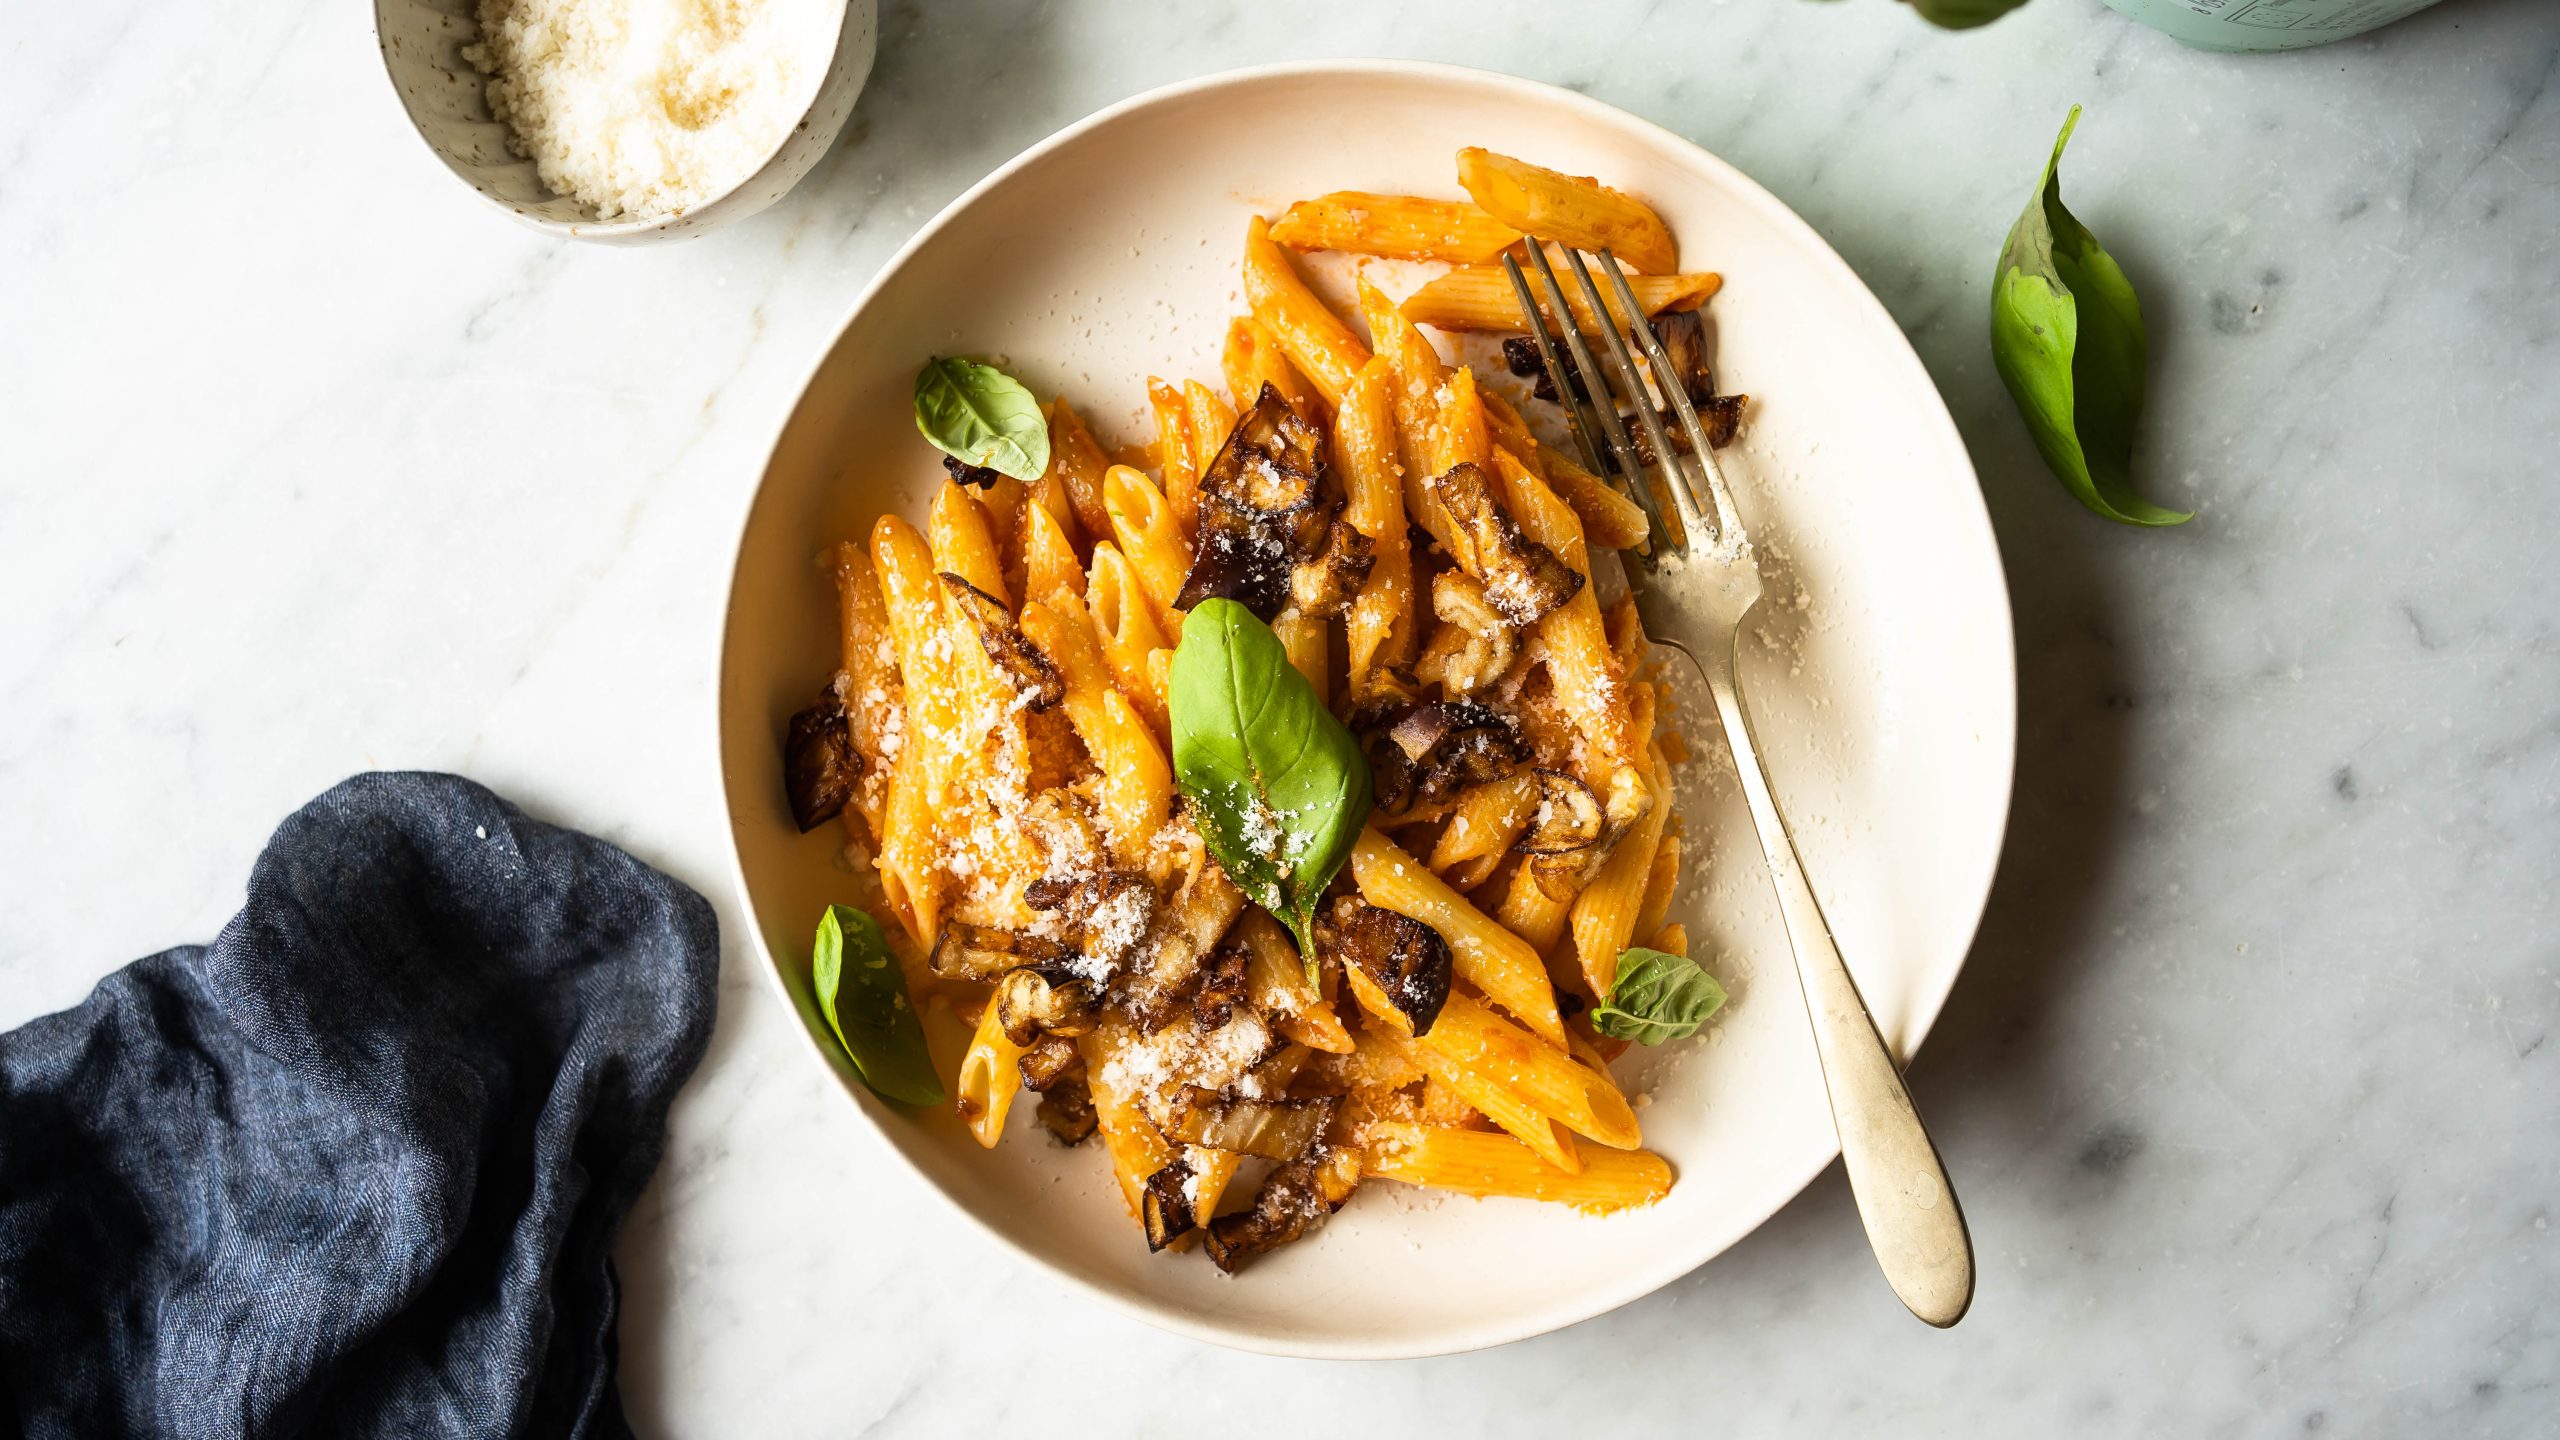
(312, 465)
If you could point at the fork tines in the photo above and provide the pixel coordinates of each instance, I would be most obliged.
(1665, 491)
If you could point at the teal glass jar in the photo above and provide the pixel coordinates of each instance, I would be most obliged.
(2248, 25)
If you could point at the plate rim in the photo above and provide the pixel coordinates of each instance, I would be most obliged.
(1635, 1285)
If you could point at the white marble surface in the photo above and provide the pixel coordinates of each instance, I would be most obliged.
(311, 465)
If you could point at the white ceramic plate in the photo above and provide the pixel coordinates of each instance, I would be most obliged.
(1880, 672)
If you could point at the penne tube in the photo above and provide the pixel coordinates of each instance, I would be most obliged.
(1480, 297)
(1500, 1103)
(1457, 430)
(1487, 956)
(1138, 1150)
(1604, 914)
(1483, 828)
(1419, 375)
(1252, 359)
(1275, 981)
(1574, 209)
(1173, 455)
(1309, 655)
(1477, 1162)
(1049, 564)
(911, 593)
(1529, 912)
(1661, 880)
(1125, 619)
(1313, 337)
(1150, 538)
(1579, 1098)
(990, 1073)
(1211, 421)
(1077, 462)
(1671, 939)
(1579, 658)
(1608, 517)
(1136, 781)
(1401, 227)
(874, 698)
(1381, 620)
(962, 543)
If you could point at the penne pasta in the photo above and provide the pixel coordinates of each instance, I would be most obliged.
(990, 1073)
(1316, 342)
(1276, 984)
(1136, 781)
(1604, 914)
(1078, 463)
(1210, 422)
(962, 544)
(1402, 227)
(1489, 957)
(1419, 376)
(1173, 455)
(1662, 878)
(1608, 517)
(1049, 564)
(1577, 1097)
(1585, 668)
(1143, 522)
(1480, 297)
(911, 594)
(1309, 655)
(1483, 828)
(1381, 621)
(1253, 358)
(874, 699)
(1138, 1150)
(1497, 1102)
(1125, 620)
(1475, 1162)
(1573, 209)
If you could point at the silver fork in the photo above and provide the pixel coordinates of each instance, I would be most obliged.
(1692, 594)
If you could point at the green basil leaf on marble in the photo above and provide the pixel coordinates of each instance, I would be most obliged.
(2067, 336)
(864, 997)
(1278, 787)
(1657, 996)
(979, 415)
(1963, 14)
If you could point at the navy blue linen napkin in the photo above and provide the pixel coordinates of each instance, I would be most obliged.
(356, 1167)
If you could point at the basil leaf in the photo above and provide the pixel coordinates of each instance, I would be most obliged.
(1657, 996)
(1278, 787)
(1963, 14)
(981, 416)
(2066, 333)
(865, 1000)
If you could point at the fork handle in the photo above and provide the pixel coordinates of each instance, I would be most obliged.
(1910, 1211)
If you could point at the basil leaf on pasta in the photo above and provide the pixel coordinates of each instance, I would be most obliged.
(864, 997)
(1657, 996)
(979, 415)
(1277, 786)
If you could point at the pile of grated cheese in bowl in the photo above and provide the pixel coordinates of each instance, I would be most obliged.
(646, 108)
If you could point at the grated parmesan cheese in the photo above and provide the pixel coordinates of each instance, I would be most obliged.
(645, 108)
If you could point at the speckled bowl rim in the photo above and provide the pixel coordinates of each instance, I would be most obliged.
(1927, 1003)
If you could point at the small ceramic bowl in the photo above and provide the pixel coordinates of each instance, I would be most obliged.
(447, 100)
